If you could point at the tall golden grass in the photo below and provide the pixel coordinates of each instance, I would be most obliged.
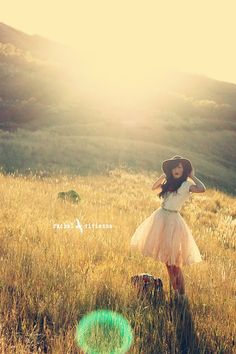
(50, 278)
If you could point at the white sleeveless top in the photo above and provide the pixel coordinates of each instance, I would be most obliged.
(175, 200)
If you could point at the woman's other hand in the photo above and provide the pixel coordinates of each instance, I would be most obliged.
(159, 181)
(192, 173)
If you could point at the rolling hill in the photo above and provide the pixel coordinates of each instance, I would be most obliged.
(51, 121)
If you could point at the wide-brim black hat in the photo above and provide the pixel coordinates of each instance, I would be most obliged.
(167, 164)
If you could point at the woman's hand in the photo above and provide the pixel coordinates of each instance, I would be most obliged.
(163, 175)
(192, 173)
(159, 181)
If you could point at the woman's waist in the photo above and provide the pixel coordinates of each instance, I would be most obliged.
(171, 210)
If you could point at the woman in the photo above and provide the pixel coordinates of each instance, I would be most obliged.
(164, 235)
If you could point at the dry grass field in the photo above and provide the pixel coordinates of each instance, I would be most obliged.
(51, 277)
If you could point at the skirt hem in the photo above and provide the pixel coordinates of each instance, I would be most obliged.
(175, 264)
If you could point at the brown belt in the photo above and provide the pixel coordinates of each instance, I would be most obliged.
(175, 211)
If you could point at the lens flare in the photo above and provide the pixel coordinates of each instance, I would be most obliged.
(104, 332)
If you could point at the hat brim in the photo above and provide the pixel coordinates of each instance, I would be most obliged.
(166, 165)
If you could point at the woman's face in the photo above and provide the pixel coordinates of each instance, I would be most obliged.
(177, 171)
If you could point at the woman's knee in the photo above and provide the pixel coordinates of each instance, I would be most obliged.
(176, 270)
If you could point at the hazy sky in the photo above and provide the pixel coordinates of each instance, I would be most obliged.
(132, 38)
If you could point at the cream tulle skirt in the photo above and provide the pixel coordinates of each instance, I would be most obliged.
(166, 237)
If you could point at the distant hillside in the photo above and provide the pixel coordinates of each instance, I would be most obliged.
(48, 121)
(38, 46)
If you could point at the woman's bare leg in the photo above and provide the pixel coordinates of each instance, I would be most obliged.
(172, 276)
(176, 277)
(180, 281)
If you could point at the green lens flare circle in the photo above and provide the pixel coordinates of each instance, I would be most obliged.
(104, 332)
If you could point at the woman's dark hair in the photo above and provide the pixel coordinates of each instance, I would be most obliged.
(172, 182)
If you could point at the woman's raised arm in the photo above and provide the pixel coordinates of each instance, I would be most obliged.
(159, 181)
(199, 187)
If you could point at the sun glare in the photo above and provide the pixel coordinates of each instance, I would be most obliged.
(124, 48)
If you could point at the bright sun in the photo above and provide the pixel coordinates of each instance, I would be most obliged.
(125, 46)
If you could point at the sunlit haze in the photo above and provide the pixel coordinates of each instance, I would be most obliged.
(124, 45)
